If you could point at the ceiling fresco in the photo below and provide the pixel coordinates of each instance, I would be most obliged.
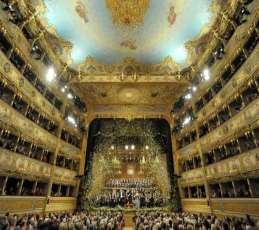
(111, 30)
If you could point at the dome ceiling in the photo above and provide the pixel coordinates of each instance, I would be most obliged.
(111, 30)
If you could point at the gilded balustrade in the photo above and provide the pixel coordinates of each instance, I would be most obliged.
(192, 177)
(9, 117)
(64, 176)
(23, 204)
(59, 204)
(223, 207)
(20, 205)
(235, 44)
(23, 47)
(19, 165)
(247, 117)
(38, 30)
(237, 207)
(196, 205)
(221, 27)
(24, 88)
(226, 131)
(244, 74)
(235, 166)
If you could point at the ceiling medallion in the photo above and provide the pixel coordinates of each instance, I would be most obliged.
(128, 12)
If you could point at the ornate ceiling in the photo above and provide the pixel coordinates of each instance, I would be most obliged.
(130, 56)
(111, 30)
(129, 93)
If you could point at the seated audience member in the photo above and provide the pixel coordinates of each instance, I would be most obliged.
(75, 221)
(163, 220)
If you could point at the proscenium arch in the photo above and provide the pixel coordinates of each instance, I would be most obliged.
(94, 127)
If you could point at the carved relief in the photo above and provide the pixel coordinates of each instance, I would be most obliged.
(19, 164)
(66, 176)
(236, 165)
(10, 118)
(192, 176)
(166, 67)
(7, 67)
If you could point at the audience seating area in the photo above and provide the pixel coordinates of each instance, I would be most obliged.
(116, 220)
(64, 221)
(182, 221)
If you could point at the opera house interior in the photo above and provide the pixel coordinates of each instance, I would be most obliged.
(133, 114)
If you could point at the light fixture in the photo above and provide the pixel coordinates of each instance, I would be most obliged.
(206, 74)
(126, 147)
(132, 147)
(194, 88)
(188, 96)
(71, 120)
(63, 89)
(146, 147)
(51, 74)
(112, 147)
(69, 96)
(186, 120)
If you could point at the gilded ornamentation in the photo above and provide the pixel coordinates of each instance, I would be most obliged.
(128, 12)
(12, 119)
(81, 11)
(17, 163)
(130, 44)
(21, 82)
(235, 165)
(7, 67)
(129, 67)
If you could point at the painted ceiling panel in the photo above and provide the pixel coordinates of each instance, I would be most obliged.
(146, 30)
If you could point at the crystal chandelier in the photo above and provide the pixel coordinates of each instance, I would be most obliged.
(128, 12)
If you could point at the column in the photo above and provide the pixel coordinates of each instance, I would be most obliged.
(82, 156)
(54, 156)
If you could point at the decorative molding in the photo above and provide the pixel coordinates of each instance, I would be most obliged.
(21, 125)
(236, 166)
(22, 166)
(247, 117)
(21, 204)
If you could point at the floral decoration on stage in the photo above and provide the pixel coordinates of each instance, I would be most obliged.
(108, 163)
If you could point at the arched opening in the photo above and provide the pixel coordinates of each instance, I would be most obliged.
(129, 164)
